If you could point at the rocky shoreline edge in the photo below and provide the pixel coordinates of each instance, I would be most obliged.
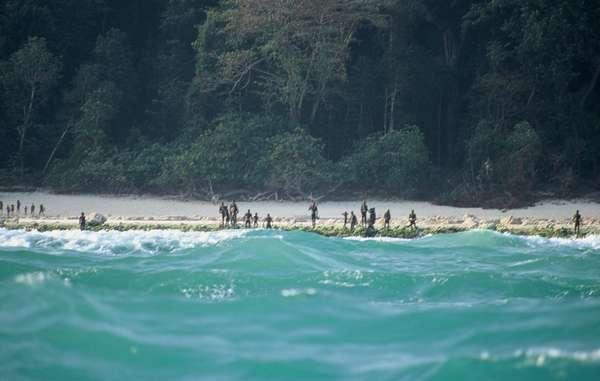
(561, 228)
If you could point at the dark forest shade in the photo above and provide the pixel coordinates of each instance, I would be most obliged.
(463, 101)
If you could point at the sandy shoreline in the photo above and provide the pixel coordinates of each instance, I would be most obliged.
(65, 206)
(552, 218)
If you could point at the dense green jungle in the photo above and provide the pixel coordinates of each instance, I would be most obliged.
(489, 102)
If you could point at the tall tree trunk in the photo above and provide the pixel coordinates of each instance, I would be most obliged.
(23, 130)
(385, 110)
(300, 100)
(393, 106)
(62, 136)
(360, 117)
(446, 48)
(317, 103)
(591, 86)
(439, 123)
(530, 98)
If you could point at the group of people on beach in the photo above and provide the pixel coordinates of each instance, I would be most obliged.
(368, 218)
(15, 209)
(367, 222)
(229, 217)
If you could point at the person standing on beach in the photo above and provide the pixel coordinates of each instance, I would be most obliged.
(42, 211)
(412, 219)
(12, 209)
(387, 216)
(248, 219)
(345, 214)
(255, 220)
(233, 212)
(268, 220)
(82, 221)
(224, 212)
(32, 210)
(313, 213)
(363, 213)
(577, 222)
(372, 218)
(353, 220)
(1, 207)
(25, 209)
(18, 206)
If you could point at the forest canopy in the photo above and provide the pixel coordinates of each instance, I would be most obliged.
(464, 101)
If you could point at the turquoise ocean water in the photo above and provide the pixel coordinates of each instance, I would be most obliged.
(270, 305)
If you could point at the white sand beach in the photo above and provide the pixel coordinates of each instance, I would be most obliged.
(70, 206)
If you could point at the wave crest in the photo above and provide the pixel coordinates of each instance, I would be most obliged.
(115, 242)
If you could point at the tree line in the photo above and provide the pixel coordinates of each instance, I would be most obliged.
(464, 101)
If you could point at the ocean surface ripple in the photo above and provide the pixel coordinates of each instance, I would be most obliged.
(272, 305)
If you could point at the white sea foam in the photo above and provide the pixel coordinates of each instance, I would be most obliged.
(115, 242)
(345, 278)
(13, 238)
(291, 292)
(213, 293)
(525, 262)
(31, 279)
(539, 356)
(590, 241)
(354, 274)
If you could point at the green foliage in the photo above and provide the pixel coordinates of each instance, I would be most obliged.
(203, 96)
(291, 64)
(114, 57)
(96, 170)
(296, 162)
(97, 113)
(397, 162)
(26, 81)
(538, 72)
(246, 152)
(143, 164)
(35, 66)
(230, 155)
(522, 155)
(111, 171)
(504, 160)
(404, 160)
